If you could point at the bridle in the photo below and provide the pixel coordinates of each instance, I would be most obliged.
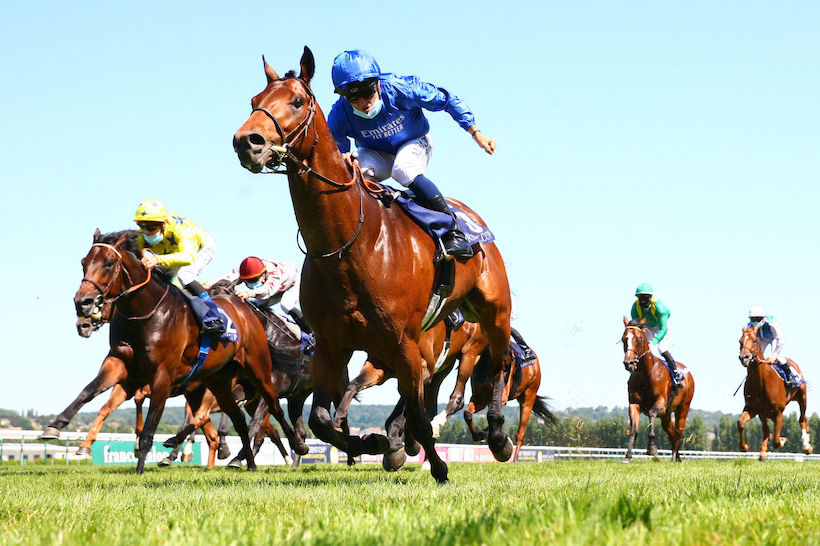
(754, 349)
(283, 156)
(101, 298)
(639, 357)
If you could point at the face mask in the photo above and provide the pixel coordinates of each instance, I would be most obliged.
(254, 285)
(153, 239)
(377, 107)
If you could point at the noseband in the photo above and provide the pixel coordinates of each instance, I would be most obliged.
(103, 292)
(640, 330)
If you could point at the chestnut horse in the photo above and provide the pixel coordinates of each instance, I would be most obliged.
(154, 338)
(522, 385)
(766, 396)
(369, 272)
(651, 391)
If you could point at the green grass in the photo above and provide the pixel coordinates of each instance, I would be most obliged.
(583, 502)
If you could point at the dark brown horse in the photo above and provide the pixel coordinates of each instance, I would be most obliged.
(154, 339)
(522, 385)
(651, 391)
(766, 395)
(369, 272)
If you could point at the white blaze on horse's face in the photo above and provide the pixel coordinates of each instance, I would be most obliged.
(630, 342)
(747, 348)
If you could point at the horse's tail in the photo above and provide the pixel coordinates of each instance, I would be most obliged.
(542, 409)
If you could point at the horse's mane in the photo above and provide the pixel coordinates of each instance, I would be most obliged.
(636, 323)
(290, 74)
(130, 240)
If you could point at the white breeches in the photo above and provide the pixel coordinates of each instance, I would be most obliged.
(190, 273)
(410, 161)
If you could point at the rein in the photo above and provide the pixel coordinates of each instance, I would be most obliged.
(284, 154)
(134, 287)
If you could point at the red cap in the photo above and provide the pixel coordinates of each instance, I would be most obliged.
(251, 267)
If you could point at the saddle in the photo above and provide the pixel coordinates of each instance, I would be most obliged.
(436, 224)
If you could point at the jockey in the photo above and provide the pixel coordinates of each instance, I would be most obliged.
(657, 318)
(770, 336)
(268, 283)
(182, 249)
(383, 114)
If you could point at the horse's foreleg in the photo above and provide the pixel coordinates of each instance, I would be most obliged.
(411, 384)
(111, 372)
(118, 396)
(326, 368)
(634, 419)
(296, 404)
(764, 445)
(160, 391)
(465, 370)
(741, 429)
(669, 427)
(197, 410)
(369, 376)
(212, 437)
(680, 425)
(395, 458)
(223, 451)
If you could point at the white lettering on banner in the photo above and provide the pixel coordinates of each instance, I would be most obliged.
(383, 131)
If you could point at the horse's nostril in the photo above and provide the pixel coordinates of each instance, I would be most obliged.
(256, 139)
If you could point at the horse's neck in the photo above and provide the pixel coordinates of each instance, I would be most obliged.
(143, 300)
(327, 216)
(647, 363)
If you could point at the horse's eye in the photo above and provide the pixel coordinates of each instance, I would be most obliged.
(298, 102)
(108, 264)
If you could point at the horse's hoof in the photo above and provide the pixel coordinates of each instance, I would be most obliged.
(85, 451)
(503, 455)
(393, 461)
(626, 460)
(170, 443)
(376, 443)
(236, 463)
(288, 460)
(301, 448)
(136, 452)
(808, 450)
(50, 433)
(187, 457)
(480, 436)
(782, 442)
(412, 447)
(165, 462)
(224, 452)
(744, 448)
(652, 451)
(763, 457)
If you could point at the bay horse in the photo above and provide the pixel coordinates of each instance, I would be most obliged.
(522, 385)
(154, 339)
(651, 391)
(368, 274)
(466, 343)
(765, 395)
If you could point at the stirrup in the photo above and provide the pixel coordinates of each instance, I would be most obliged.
(213, 327)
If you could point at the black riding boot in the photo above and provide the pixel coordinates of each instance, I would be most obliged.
(677, 377)
(528, 353)
(791, 380)
(428, 196)
(205, 310)
(299, 319)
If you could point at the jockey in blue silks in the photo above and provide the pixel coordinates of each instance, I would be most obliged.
(383, 114)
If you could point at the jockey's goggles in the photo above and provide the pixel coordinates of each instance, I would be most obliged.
(359, 90)
(148, 227)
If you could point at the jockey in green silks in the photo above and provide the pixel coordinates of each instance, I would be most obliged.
(648, 307)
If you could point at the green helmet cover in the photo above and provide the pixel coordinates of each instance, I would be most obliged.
(644, 288)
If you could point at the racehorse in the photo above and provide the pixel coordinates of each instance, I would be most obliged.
(369, 271)
(522, 385)
(766, 396)
(466, 343)
(155, 340)
(651, 391)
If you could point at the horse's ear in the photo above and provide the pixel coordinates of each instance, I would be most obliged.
(270, 73)
(97, 235)
(307, 64)
(626, 321)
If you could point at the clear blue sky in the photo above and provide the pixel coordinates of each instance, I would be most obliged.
(674, 144)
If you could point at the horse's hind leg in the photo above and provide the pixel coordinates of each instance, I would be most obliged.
(741, 429)
(804, 425)
(525, 404)
(764, 445)
(471, 408)
(212, 437)
(779, 441)
(223, 450)
(296, 404)
(369, 376)
(395, 458)
(671, 432)
(160, 390)
(220, 386)
(634, 419)
(111, 372)
(118, 396)
(652, 448)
